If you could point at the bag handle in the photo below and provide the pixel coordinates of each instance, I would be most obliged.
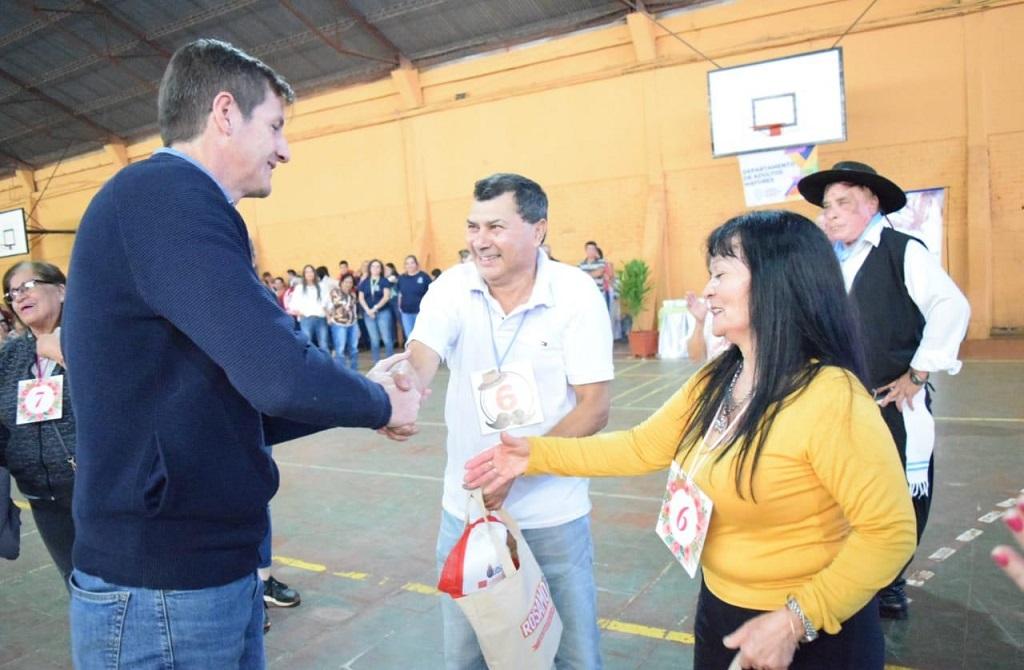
(500, 546)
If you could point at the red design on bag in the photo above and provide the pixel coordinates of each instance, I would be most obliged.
(454, 573)
(540, 608)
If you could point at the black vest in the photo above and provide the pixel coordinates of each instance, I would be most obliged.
(891, 323)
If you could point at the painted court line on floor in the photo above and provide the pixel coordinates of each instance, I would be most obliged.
(625, 627)
(613, 625)
(634, 389)
(672, 383)
(945, 419)
(432, 478)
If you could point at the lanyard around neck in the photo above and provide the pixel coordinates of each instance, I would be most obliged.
(500, 360)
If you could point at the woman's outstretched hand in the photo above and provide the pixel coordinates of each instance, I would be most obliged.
(496, 467)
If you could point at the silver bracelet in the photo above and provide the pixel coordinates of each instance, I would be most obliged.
(810, 634)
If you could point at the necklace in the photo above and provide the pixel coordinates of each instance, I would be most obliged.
(729, 406)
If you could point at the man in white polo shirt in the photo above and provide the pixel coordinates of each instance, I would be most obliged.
(529, 347)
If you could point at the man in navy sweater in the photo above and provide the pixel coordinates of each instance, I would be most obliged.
(173, 408)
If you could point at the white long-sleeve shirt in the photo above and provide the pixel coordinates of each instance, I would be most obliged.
(945, 310)
(306, 303)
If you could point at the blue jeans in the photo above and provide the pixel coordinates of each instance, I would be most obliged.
(381, 328)
(315, 328)
(129, 627)
(408, 323)
(566, 557)
(346, 343)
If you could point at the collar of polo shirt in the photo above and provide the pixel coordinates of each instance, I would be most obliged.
(542, 293)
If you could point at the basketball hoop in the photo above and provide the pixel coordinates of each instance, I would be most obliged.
(772, 129)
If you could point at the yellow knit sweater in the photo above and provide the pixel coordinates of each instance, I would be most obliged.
(832, 523)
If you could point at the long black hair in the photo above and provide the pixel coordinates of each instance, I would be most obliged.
(800, 319)
(316, 280)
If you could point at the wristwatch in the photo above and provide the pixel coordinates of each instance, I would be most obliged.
(810, 633)
(915, 380)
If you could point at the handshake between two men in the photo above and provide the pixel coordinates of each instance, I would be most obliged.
(405, 392)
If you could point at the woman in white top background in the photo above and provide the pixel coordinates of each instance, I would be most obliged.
(309, 303)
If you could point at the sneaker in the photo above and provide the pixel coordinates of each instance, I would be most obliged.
(278, 594)
(892, 602)
(266, 617)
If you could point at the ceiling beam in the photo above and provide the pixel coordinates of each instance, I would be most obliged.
(373, 30)
(641, 31)
(105, 55)
(407, 81)
(27, 178)
(118, 152)
(129, 28)
(53, 102)
(327, 39)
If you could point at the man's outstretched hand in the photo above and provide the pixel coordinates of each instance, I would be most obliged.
(402, 386)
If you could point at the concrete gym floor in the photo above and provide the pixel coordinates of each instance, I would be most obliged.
(356, 517)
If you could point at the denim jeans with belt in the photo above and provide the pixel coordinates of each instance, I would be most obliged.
(130, 627)
(565, 554)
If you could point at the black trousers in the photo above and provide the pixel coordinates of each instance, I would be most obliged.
(922, 504)
(53, 519)
(860, 644)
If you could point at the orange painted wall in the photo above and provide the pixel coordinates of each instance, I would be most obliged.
(623, 147)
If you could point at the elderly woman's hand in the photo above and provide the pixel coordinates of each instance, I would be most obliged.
(1006, 558)
(768, 641)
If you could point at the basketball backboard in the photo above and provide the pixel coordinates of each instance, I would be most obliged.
(790, 101)
(13, 238)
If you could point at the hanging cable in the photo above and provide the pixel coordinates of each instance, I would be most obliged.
(633, 6)
(46, 186)
(855, 22)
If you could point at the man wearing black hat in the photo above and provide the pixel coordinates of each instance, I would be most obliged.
(913, 316)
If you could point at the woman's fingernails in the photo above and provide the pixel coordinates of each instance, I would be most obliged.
(1000, 558)
(1015, 523)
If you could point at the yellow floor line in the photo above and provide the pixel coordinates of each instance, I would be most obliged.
(674, 382)
(301, 565)
(634, 389)
(614, 625)
(425, 589)
(631, 367)
(645, 631)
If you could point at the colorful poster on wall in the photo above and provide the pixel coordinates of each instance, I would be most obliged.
(771, 176)
(922, 217)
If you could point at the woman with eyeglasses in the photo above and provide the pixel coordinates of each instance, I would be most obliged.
(37, 424)
(784, 483)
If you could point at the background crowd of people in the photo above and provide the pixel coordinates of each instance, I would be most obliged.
(375, 306)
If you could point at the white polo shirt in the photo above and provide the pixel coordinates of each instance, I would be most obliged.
(566, 337)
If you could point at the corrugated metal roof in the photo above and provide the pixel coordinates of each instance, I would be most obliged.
(76, 74)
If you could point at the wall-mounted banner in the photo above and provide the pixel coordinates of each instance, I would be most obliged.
(923, 217)
(771, 176)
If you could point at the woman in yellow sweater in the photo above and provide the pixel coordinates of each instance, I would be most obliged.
(781, 468)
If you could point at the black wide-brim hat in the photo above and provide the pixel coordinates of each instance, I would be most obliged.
(891, 197)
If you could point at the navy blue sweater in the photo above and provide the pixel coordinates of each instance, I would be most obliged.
(182, 367)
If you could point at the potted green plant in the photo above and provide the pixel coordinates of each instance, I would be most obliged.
(634, 287)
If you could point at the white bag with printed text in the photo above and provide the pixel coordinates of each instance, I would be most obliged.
(509, 604)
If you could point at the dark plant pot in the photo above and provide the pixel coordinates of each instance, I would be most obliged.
(643, 343)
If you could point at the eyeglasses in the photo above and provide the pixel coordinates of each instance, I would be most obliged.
(13, 294)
